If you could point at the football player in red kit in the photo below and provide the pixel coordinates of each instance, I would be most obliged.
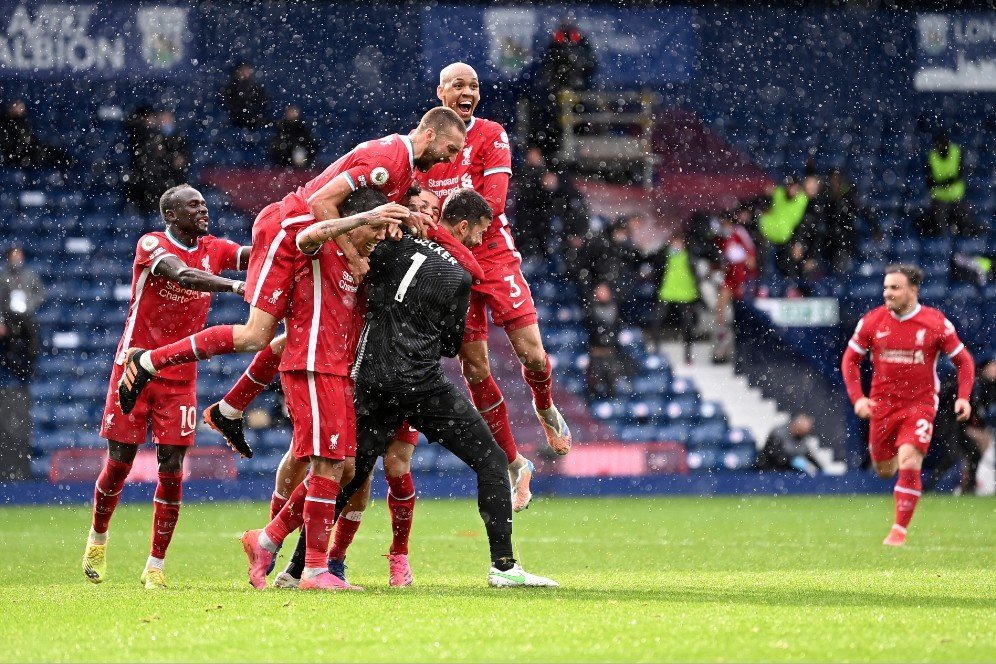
(173, 275)
(323, 326)
(387, 164)
(903, 340)
(485, 165)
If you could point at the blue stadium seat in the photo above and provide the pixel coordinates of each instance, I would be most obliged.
(710, 433)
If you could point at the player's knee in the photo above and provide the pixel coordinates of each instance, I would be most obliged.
(170, 459)
(885, 470)
(251, 339)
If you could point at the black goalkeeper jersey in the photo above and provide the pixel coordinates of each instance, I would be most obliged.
(417, 300)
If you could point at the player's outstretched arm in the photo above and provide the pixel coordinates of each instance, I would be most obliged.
(172, 268)
(310, 239)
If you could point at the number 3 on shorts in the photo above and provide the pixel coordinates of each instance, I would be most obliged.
(924, 429)
(513, 288)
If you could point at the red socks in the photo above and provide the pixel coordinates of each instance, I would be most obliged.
(166, 510)
(401, 502)
(319, 515)
(907, 494)
(291, 515)
(261, 372)
(276, 504)
(107, 492)
(541, 383)
(489, 401)
(216, 340)
(345, 530)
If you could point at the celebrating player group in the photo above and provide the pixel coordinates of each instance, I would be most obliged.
(378, 267)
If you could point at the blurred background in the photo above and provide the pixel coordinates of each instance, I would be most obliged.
(705, 198)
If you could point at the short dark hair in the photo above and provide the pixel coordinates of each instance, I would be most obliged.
(442, 118)
(465, 204)
(168, 200)
(363, 199)
(912, 273)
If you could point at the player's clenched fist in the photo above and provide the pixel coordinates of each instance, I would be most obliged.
(863, 408)
(963, 409)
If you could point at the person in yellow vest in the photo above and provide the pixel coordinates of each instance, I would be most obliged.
(678, 295)
(946, 181)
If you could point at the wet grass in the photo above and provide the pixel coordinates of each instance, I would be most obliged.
(717, 579)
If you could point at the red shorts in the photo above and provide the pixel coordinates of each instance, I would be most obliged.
(321, 410)
(906, 425)
(169, 406)
(406, 434)
(270, 275)
(504, 291)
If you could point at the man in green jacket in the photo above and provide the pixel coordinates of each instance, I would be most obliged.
(677, 295)
(946, 180)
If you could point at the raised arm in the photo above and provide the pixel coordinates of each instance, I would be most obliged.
(172, 268)
(313, 237)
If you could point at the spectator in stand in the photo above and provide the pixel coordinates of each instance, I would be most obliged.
(702, 234)
(948, 208)
(836, 211)
(568, 64)
(604, 358)
(292, 144)
(532, 205)
(175, 157)
(987, 392)
(607, 257)
(542, 199)
(677, 297)
(21, 147)
(791, 447)
(159, 158)
(963, 442)
(21, 293)
(788, 231)
(244, 98)
(21, 289)
(740, 275)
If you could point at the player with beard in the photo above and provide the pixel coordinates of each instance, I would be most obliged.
(903, 340)
(485, 165)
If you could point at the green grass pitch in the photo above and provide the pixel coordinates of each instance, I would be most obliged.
(648, 579)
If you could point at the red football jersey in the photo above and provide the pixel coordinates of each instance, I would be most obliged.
(163, 311)
(486, 152)
(324, 319)
(904, 353)
(386, 164)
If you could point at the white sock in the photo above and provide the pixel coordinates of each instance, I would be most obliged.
(157, 563)
(146, 361)
(518, 464)
(227, 411)
(97, 538)
(312, 572)
(267, 543)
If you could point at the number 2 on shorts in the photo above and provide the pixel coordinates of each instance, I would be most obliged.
(923, 430)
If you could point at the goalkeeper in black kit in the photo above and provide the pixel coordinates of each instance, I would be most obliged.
(417, 300)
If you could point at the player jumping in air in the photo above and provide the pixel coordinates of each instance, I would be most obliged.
(387, 164)
(172, 277)
(903, 340)
(485, 165)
